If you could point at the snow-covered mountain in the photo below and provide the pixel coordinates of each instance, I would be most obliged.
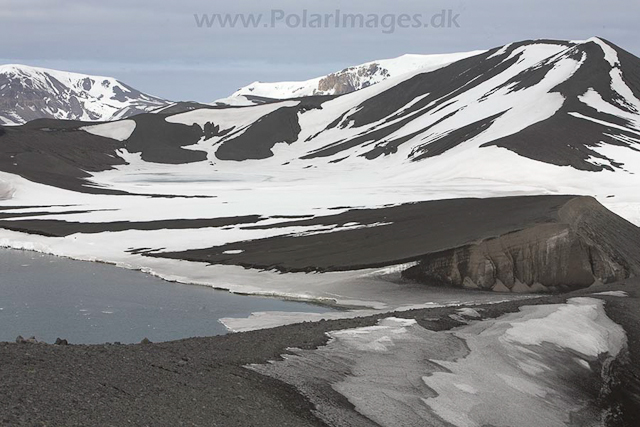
(198, 195)
(504, 114)
(562, 103)
(347, 80)
(28, 93)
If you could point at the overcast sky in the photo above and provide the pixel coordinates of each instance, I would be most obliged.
(157, 47)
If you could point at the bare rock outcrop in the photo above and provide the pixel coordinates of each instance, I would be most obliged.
(351, 79)
(587, 243)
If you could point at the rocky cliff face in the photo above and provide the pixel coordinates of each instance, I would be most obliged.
(587, 244)
(352, 79)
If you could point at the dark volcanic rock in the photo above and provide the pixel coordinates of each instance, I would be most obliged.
(587, 244)
(579, 137)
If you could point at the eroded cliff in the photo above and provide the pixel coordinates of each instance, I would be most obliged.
(588, 243)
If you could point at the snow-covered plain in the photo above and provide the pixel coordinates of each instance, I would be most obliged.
(505, 371)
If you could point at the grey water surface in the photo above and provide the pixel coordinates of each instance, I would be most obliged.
(84, 302)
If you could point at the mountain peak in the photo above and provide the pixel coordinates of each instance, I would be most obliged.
(28, 93)
(346, 80)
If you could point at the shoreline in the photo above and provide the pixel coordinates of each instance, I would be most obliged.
(202, 381)
(284, 297)
(308, 295)
(338, 311)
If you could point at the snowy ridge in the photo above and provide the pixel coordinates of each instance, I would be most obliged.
(347, 80)
(491, 99)
(27, 93)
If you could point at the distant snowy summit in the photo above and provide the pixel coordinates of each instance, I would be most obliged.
(341, 82)
(28, 93)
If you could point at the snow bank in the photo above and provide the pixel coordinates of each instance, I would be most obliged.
(492, 372)
(6, 190)
(580, 325)
(227, 118)
(119, 131)
(621, 294)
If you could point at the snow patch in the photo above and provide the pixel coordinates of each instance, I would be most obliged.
(399, 373)
(120, 131)
(610, 55)
(621, 294)
(226, 118)
(468, 312)
(6, 190)
(580, 325)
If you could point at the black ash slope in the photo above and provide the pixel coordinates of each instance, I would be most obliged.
(554, 241)
(48, 152)
(561, 140)
(256, 142)
(566, 140)
(60, 154)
